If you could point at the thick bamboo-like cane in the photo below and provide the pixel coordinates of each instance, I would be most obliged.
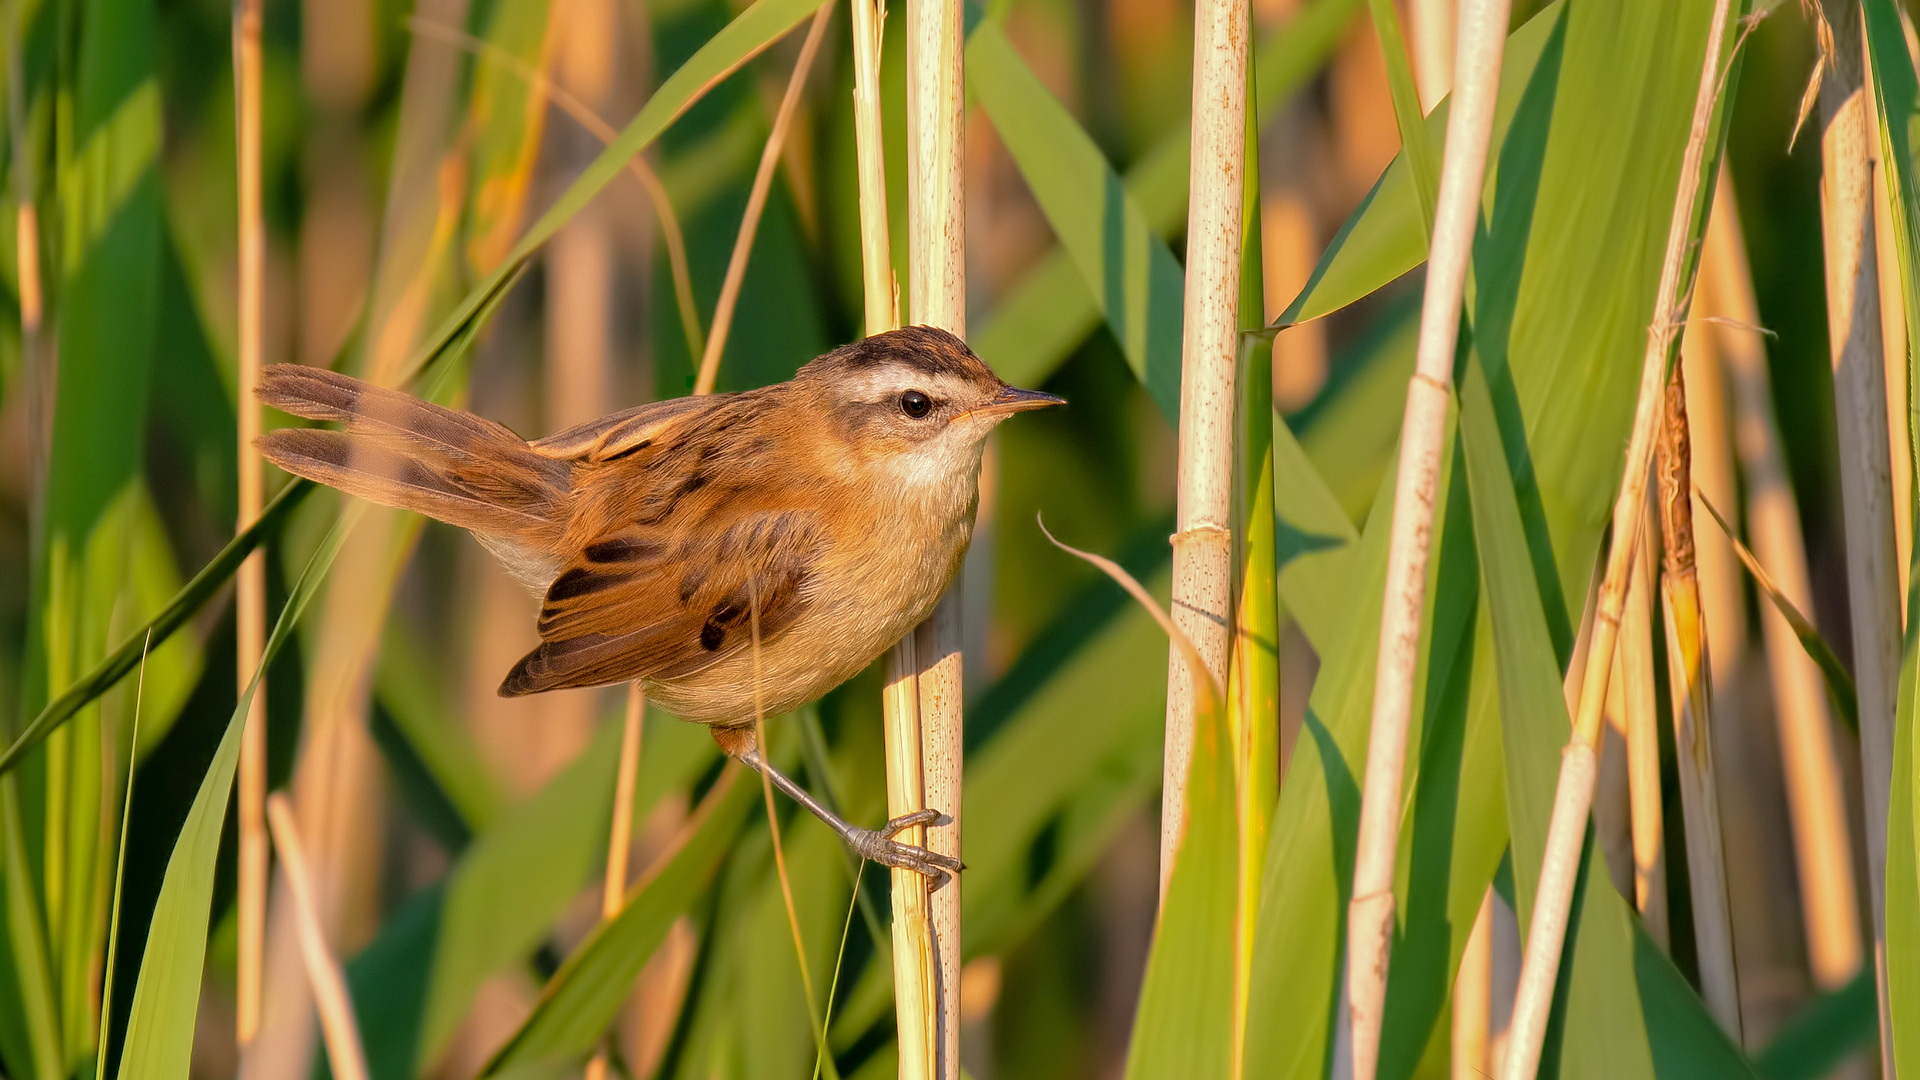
(1202, 546)
(937, 296)
(1816, 806)
(1690, 680)
(1860, 406)
(757, 203)
(914, 975)
(250, 588)
(1573, 794)
(337, 1024)
(1635, 683)
(1370, 917)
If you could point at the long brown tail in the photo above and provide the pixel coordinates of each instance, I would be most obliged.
(400, 451)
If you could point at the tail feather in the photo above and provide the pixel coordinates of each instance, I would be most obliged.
(400, 451)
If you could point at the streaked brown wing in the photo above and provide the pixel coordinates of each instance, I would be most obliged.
(638, 604)
(623, 432)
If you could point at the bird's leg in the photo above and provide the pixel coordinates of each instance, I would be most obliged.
(877, 845)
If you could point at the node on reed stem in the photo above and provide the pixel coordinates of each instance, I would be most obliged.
(1482, 36)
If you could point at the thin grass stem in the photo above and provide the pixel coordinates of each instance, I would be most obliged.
(583, 114)
(1635, 682)
(757, 204)
(250, 587)
(1573, 793)
(337, 1023)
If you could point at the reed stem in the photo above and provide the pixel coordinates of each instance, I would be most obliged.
(1370, 919)
(1816, 802)
(1573, 794)
(757, 204)
(337, 1024)
(937, 296)
(1253, 673)
(250, 587)
(1860, 407)
(1635, 682)
(915, 978)
(1690, 680)
(1202, 546)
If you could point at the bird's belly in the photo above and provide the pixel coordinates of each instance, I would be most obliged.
(856, 609)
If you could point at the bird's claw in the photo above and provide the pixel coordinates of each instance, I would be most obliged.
(879, 846)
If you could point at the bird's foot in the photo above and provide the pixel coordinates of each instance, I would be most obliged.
(879, 846)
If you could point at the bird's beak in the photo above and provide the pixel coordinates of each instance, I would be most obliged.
(1012, 399)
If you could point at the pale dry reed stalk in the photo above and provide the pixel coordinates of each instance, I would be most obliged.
(1860, 407)
(1482, 39)
(250, 586)
(1690, 681)
(1635, 684)
(337, 1024)
(1816, 801)
(613, 890)
(1573, 794)
(1202, 546)
(337, 784)
(937, 296)
(914, 976)
(1472, 997)
(757, 203)
(671, 236)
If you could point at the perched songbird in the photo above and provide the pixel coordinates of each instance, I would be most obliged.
(839, 504)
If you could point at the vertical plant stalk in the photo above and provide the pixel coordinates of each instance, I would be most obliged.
(1202, 546)
(1472, 1000)
(1253, 672)
(1816, 801)
(1370, 914)
(250, 588)
(1860, 406)
(337, 1024)
(1636, 684)
(937, 296)
(1690, 680)
(1893, 352)
(914, 975)
(757, 203)
(1430, 25)
(879, 290)
(1573, 794)
(613, 891)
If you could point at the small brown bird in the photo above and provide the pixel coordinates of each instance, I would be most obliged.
(840, 503)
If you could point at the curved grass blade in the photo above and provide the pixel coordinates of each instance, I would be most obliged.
(166, 997)
(123, 660)
(1183, 1025)
(740, 41)
(1839, 683)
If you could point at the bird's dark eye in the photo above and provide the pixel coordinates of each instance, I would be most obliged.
(915, 404)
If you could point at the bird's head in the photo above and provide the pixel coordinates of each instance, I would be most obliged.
(916, 392)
